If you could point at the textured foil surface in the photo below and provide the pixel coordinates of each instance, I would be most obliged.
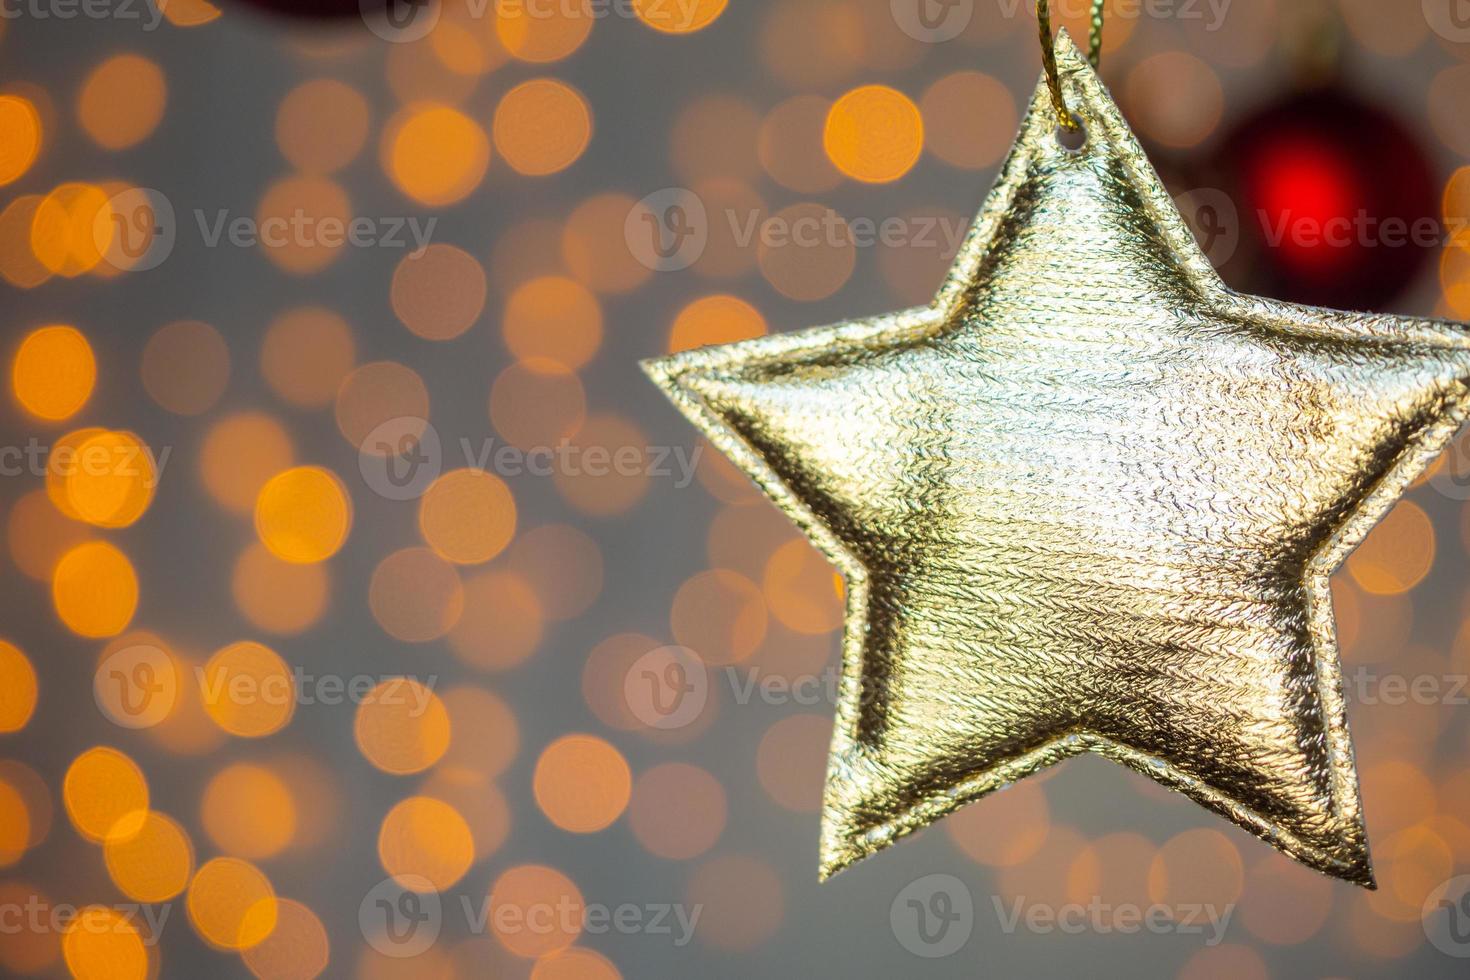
(1087, 500)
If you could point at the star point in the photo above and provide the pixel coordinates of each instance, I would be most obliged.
(1088, 500)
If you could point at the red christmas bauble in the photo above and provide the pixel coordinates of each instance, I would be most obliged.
(1337, 202)
(318, 10)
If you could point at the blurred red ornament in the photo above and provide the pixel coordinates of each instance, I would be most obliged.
(1336, 198)
(321, 10)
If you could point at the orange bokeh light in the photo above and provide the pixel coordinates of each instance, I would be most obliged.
(484, 734)
(402, 727)
(1397, 554)
(306, 354)
(240, 454)
(717, 319)
(303, 223)
(742, 898)
(678, 18)
(100, 943)
(542, 126)
(502, 624)
(105, 794)
(415, 595)
(467, 516)
(248, 690)
(537, 405)
(721, 614)
(591, 246)
(17, 688)
(231, 904)
(375, 395)
(535, 910)
(278, 596)
(435, 154)
(19, 265)
(582, 783)
(186, 366)
(606, 468)
(95, 590)
(111, 481)
(678, 811)
(303, 514)
(53, 372)
(153, 864)
(297, 948)
(321, 125)
(72, 229)
(874, 133)
(248, 811)
(439, 293)
(20, 136)
(802, 589)
(425, 840)
(542, 33)
(122, 101)
(39, 534)
(552, 318)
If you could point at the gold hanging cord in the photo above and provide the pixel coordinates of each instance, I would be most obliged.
(1049, 57)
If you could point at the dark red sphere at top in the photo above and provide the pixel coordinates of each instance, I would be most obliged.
(319, 10)
(1337, 202)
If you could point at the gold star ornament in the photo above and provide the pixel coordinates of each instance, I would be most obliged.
(1087, 500)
